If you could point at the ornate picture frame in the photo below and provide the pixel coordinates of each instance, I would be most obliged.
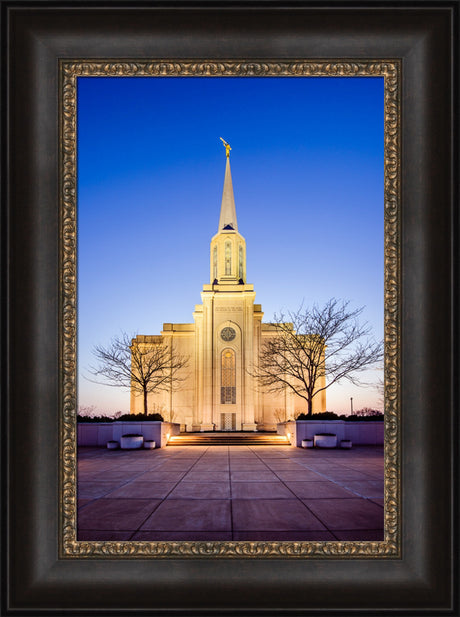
(413, 568)
(70, 71)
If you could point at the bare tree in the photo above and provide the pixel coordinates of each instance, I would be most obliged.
(86, 411)
(315, 343)
(139, 364)
(380, 387)
(368, 411)
(280, 415)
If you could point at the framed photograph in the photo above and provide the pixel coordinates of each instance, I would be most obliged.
(340, 118)
(59, 63)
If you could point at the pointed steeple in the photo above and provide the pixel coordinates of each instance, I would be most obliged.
(228, 247)
(227, 221)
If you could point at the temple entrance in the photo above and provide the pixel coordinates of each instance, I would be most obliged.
(228, 421)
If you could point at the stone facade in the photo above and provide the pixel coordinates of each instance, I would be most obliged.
(218, 391)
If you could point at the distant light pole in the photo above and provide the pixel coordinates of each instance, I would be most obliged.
(351, 404)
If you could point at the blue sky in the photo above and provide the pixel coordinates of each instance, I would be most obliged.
(307, 167)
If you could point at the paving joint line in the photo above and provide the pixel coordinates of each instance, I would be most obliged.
(305, 505)
(329, 479)
(124, 484)
(253, 451)
(108, 492)
(166, 496)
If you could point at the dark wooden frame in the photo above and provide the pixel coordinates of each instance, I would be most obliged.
(423, 35)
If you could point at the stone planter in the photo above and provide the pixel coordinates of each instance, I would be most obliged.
(325, 440)
(149, 444)
(346, 444)
(307, 443)
(113, 445)
(131, 442)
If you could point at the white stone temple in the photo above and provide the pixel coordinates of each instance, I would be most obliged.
(218, 391)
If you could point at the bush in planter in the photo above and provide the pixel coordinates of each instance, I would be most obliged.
(326, 415)
(126, 417)
(355, 418)
(330, 415)
(94, 419)
(141, 417)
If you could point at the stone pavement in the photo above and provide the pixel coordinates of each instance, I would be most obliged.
(230, 493)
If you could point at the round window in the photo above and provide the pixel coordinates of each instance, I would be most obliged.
(228, 334)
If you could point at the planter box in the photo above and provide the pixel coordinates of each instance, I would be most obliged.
(325, 441)
(149, 444)
(113, 445)
(99, 433)
(346, 444)
(368, 433)
(131, 442)
(307, 443)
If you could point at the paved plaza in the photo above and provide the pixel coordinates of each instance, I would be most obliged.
(230, 493)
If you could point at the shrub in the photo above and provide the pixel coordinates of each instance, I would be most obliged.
(94, 418)
(140, 417)
(326, 415)
(355, 418)
(301, 416)
(126, 417)
(367, 411)
(330, 415)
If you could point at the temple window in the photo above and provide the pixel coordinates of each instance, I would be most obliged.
(214, 263)
(228, 258)
(228, 378)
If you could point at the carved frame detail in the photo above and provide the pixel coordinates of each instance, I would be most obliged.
(69, 71)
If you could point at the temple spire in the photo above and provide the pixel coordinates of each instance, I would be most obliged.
(227, 221)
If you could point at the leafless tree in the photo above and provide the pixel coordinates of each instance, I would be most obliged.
(313, 343)
(87, 411)
(139, 364)
(280, 415)
(380, 387)
(368, 411)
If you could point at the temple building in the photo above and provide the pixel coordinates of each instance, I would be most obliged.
(218, 391)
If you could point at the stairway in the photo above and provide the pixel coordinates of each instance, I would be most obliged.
(228, 439)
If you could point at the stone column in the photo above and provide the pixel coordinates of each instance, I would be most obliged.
(198, 316)
(247, 356)
(205, 413)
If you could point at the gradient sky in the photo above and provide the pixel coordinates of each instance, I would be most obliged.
(307, 167)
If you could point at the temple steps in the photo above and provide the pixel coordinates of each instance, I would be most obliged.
(228, 439)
